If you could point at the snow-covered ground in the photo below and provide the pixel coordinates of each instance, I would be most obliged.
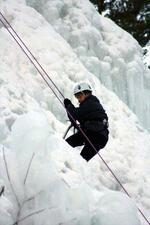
(60, 187)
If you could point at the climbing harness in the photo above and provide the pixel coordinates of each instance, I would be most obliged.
(45, 76)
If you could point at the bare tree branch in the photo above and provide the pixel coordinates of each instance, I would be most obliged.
(26, 176)
(31, 214)
(31, 198)
(8, 175)
(22, 205)
(100, 4)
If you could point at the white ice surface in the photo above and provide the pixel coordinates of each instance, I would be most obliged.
(32, 121)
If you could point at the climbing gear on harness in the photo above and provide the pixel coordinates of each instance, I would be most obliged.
(70, 126)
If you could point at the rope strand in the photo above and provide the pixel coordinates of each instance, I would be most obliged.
(31, 60)
(31, 54)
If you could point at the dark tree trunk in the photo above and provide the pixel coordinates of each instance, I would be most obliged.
(100, 4)
(137, 6)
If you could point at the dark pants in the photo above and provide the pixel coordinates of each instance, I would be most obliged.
(98, 139)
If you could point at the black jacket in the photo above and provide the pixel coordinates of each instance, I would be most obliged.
(90, 114)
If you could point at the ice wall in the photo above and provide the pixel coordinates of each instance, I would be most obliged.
(55, 164)
(105, 50)
(52, 184)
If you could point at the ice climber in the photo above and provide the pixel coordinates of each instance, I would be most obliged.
(92, 118)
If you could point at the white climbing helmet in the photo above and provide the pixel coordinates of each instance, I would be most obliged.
(82, 87)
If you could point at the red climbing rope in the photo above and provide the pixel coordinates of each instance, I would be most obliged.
(38, 67)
